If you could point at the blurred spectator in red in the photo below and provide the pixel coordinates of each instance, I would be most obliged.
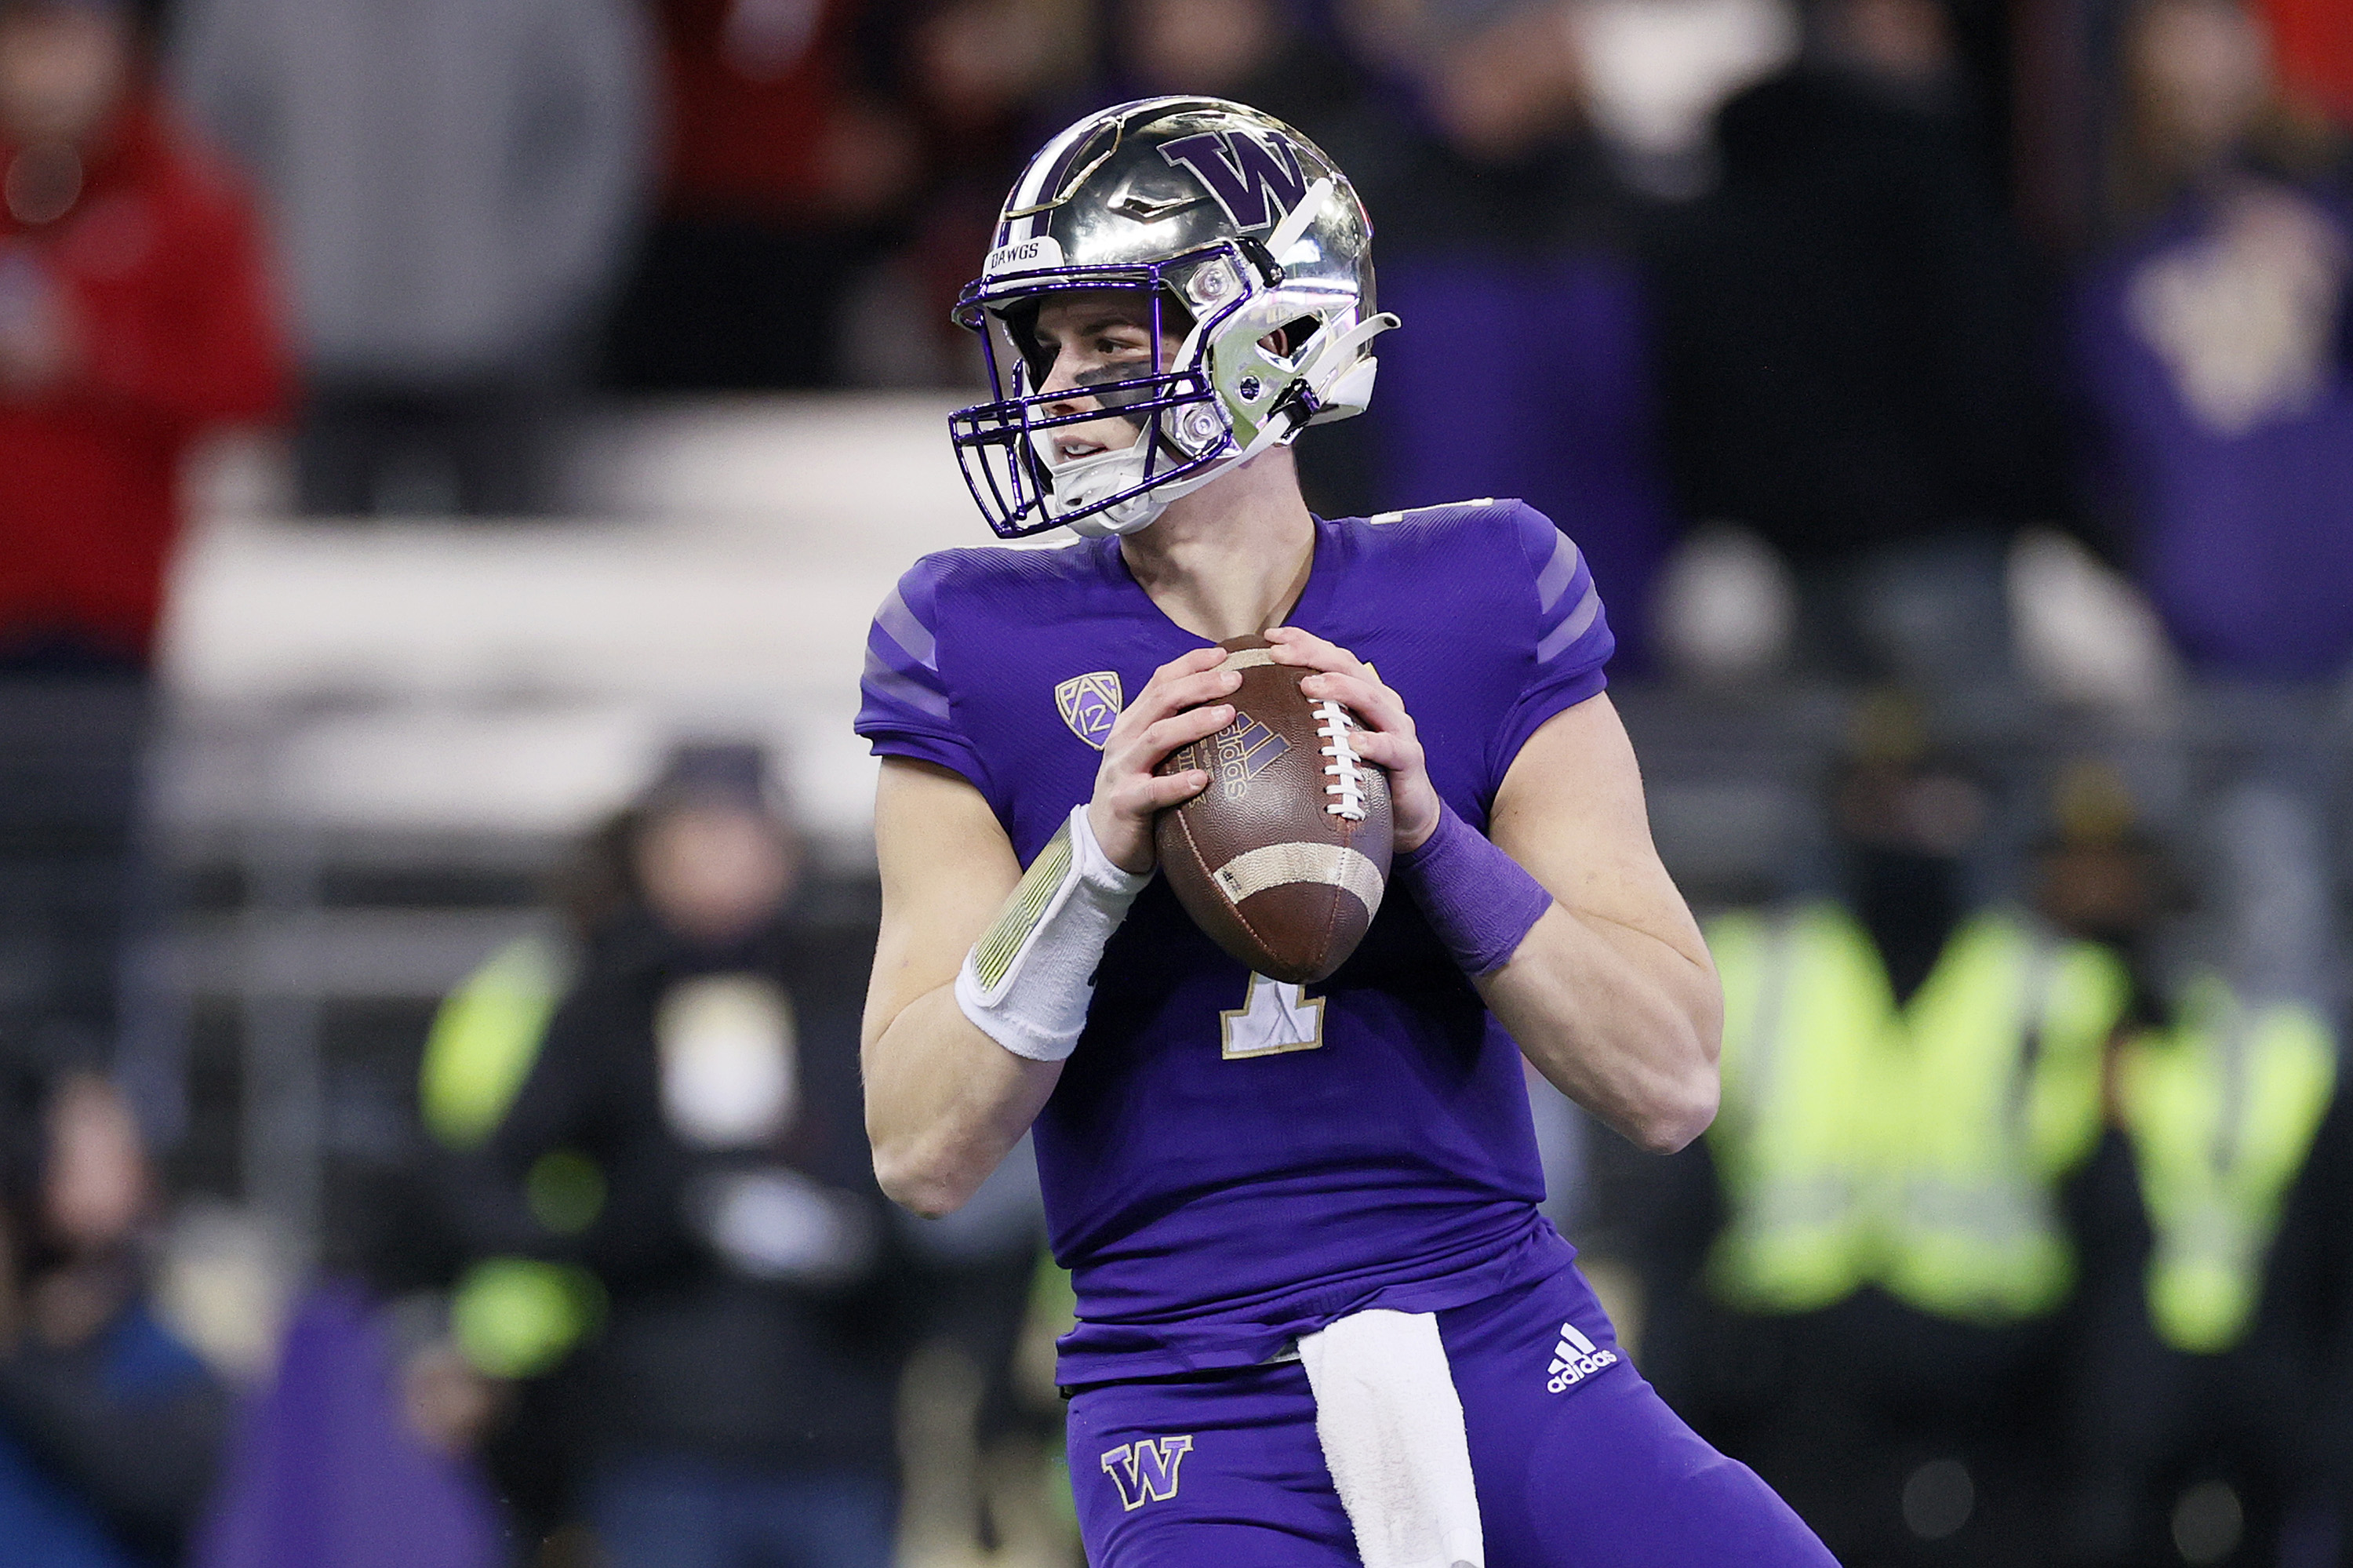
(689, 1144)
(782, 162)
(2213, 347)
(109, 1428)
(1506, 249)
(1848, 348)
(2316, 50)
(132, 315)
(454, 181)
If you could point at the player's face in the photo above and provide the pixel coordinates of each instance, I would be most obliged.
(1088, 340)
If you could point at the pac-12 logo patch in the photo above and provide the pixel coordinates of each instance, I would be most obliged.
(1242, 751)
(1146, 1471)
(1089, 705)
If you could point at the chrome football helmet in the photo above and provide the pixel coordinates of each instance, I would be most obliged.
(1251, 248)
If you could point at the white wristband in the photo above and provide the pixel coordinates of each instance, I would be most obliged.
(1027, 982)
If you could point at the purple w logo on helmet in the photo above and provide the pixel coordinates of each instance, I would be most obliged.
(1255, 178)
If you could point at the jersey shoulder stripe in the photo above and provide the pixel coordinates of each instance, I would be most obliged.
(1561, 563)
(903, 667)
(952, 599)
(1568, 602)
(905, 638)
(887, 688)
(902, 626)
(1583, 611)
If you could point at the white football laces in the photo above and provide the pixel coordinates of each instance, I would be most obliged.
(1341, 763)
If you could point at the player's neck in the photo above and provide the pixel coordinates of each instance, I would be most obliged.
(1231, 558)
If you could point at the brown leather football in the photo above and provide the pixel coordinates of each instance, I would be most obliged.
(1283, 859)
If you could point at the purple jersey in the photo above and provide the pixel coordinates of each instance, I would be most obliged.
(1228, 1163)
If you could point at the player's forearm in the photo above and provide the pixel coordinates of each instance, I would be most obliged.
(945, 1104)
(1609, 990)
(1623, 1021)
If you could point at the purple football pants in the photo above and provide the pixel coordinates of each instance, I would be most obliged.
(1578, 1462)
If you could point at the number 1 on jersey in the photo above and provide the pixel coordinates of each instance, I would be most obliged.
(1274, 1017)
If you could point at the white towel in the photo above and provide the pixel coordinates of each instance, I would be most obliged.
(1391, 1426)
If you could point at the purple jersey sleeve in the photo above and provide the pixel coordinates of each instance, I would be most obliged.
(906, 710)
(1571, 634)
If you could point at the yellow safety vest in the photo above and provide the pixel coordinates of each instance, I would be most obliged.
(2222, 1109)
(1784, 1141)
(484, 1040)
(1920, 1148)
(512, 1317)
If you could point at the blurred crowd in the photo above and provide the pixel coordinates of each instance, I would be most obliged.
(1827, 328)
(1874, 283)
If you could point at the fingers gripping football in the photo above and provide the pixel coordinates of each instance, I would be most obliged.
(1389, 738)
(1182, 703)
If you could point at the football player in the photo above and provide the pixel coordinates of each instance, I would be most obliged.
(1320, 1319)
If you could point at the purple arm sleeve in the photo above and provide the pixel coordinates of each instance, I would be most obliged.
(1480, 901)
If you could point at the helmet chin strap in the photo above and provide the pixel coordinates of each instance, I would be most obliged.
(1084, 481)
(1101, 474)
(1140, 512)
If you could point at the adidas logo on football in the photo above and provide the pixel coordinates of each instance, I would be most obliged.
(1576, 1358)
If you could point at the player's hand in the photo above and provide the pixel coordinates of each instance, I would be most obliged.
(1182, 703)
(1388, 739)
